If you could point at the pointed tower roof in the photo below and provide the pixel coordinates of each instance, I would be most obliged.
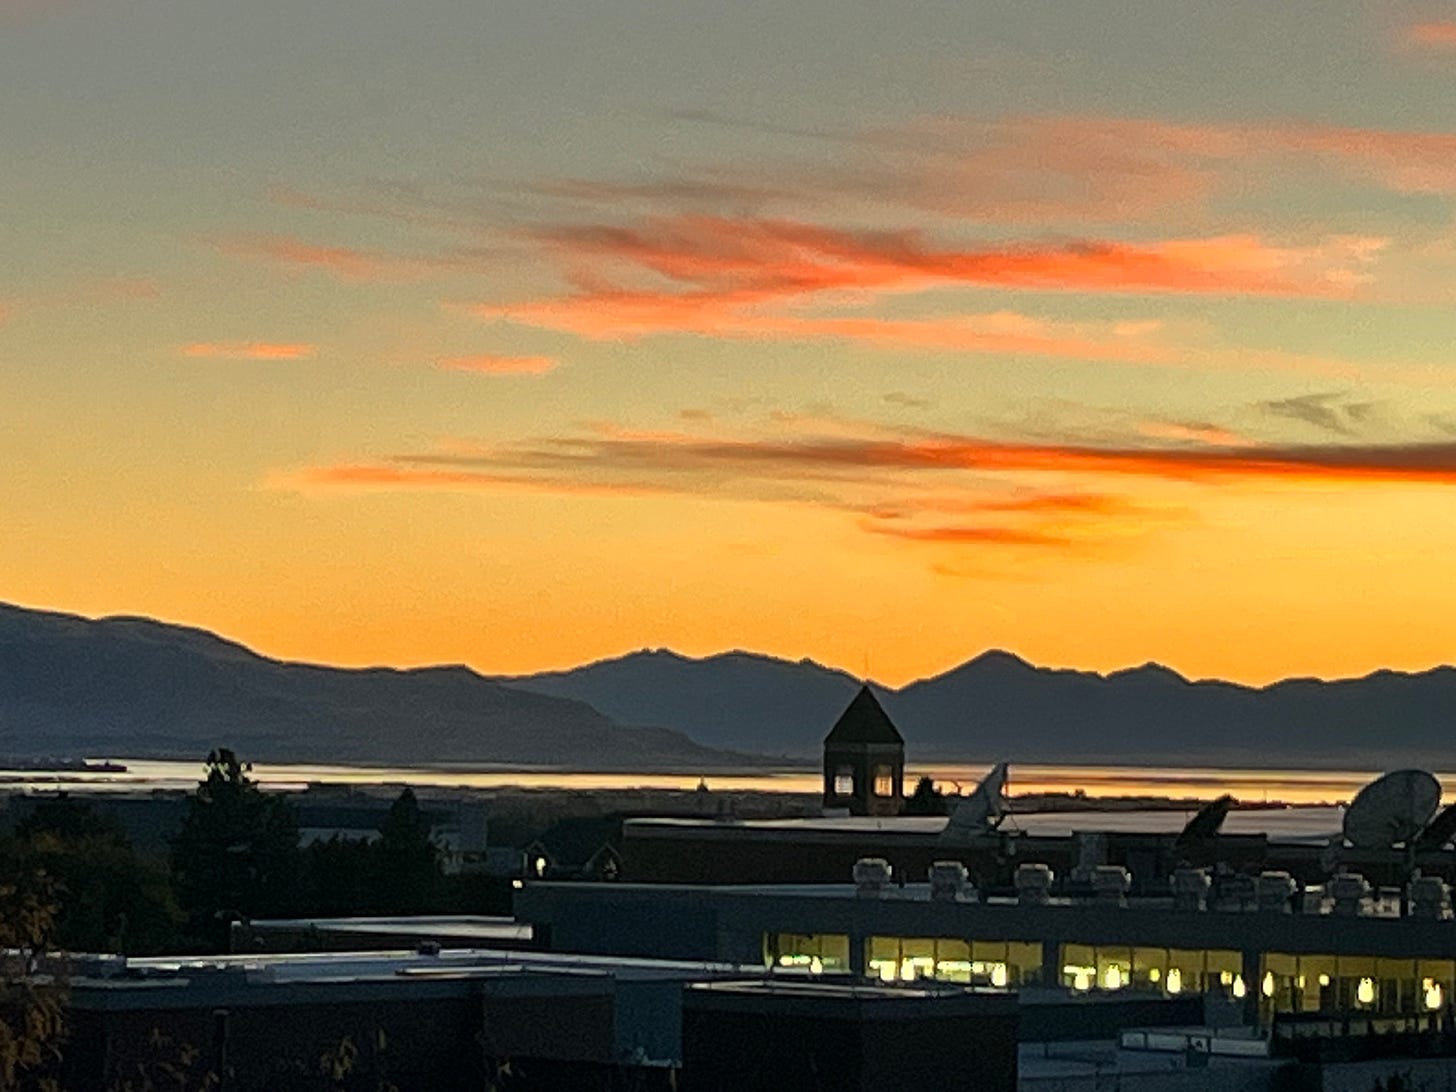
(865, 721)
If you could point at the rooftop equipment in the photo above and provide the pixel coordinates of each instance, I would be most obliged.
(983, 810)
(1190, 888)
(871, 876)
(948, 881)
(1034, 884)
(1392, 810)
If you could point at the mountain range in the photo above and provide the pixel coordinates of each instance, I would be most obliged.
(133, 687)
(998, 706)
(72, 687)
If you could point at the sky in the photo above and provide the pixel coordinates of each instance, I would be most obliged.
(526, 334)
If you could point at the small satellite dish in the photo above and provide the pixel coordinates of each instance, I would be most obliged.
(1392, 810)
(982, 810)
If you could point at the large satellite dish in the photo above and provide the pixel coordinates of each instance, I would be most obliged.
(1439, 831)
(1392, 810)
(983, 809)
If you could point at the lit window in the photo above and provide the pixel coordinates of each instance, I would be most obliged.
(1434, 995)
(884, 781)
(844, 781)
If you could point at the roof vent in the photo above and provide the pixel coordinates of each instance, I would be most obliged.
(1429, 898)
(1351, 894)
(1034, 884)
(947, 881)
(1273, 892)
(871, 876)
(1190, 888)
(1110, 884)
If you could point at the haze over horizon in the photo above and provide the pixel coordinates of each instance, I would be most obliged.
(876, 335)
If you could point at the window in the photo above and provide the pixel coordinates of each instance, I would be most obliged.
(884, 781)
(844, 781)
(817, 953)
(996, 963)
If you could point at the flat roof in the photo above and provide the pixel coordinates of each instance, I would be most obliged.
(1299, 825)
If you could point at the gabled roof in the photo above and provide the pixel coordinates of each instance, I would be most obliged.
(865, 721)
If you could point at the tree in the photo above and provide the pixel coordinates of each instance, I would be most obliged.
(406, 859)
(108, 898)
(32, 1017)
(926, 799)
(236, 854)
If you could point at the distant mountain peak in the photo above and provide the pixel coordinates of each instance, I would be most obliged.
(1148, 672)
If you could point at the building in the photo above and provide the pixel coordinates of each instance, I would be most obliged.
(1265, 964)
(864, 760)
(448, 1020)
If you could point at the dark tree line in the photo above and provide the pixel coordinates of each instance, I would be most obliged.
(237, 854)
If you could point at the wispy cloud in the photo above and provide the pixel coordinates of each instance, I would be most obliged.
(1433, 35)
(1328, 411)
(354, 264)
(488, 364)
(789, 280)
(951, 490)
(251, 350)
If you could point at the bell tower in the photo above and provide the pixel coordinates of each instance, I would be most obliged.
(864, 760)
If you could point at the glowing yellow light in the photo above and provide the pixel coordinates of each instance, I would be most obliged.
(885, 968)
(1324, 980)
(1365, 991)
(999, 977)
(1175, 980)
(1299, 982)
(816, 965)
(786, 961)
(1267, 986)
(1434, 994)
(1154, 975)
(1225, 978)
(1112, 977)
(1240, 990)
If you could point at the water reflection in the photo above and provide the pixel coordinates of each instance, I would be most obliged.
(1248, 785)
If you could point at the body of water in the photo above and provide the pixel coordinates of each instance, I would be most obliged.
(1307, 787)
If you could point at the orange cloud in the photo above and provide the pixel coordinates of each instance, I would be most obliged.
(933, 489)
(1433, 35)
(752, 278)
(487, 364)
(347, 263)
(367, 476)
(251, 350)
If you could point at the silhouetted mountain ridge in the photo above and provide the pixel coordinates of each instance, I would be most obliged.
(71, 686)
(997, 705)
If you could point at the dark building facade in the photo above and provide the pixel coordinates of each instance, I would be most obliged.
(864, 760)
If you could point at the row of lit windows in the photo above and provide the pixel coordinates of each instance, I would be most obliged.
(972, 962)
(1285, 983)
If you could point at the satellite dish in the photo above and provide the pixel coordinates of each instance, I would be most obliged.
(1392, 810)
(1206, 824)
(1439, 831)
(983, 809)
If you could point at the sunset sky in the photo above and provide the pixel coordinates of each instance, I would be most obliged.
(524, 334)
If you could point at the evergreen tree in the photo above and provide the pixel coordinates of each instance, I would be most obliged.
(926, 799)
(236, 854)
(406, 859)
